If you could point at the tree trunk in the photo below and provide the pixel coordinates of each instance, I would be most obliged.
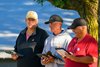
(99, 30)
(99, 20)
(89, 11)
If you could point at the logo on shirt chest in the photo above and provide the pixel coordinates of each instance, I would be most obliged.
(78, 49)
(75, 50)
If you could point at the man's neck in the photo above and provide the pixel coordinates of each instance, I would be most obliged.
(58, 32)
(30, 30)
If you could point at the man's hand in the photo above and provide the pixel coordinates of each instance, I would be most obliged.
(14, 56)
(66, 55)
(47, 60)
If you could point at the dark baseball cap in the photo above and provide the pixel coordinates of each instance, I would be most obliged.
(78, 22)
(54, 18)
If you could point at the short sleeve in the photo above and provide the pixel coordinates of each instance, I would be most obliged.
(92, 49)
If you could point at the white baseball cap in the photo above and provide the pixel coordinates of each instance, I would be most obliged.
(31, 14)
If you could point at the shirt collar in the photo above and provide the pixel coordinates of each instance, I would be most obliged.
(59, 33)
(24, 31)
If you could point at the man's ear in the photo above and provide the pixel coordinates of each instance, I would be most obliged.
(37, 21)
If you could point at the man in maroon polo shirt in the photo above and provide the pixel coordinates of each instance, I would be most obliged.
(83, 48)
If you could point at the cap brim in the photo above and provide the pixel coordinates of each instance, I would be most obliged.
(71, 27)
(31, 18)
(47, 22)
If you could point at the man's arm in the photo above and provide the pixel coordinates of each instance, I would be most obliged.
(85, 59)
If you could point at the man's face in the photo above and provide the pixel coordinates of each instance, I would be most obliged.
(31, 23)
(78, 31)
(55, 26)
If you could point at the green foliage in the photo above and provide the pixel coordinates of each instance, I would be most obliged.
(58, 3)
(62, 3)
(40, 1)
